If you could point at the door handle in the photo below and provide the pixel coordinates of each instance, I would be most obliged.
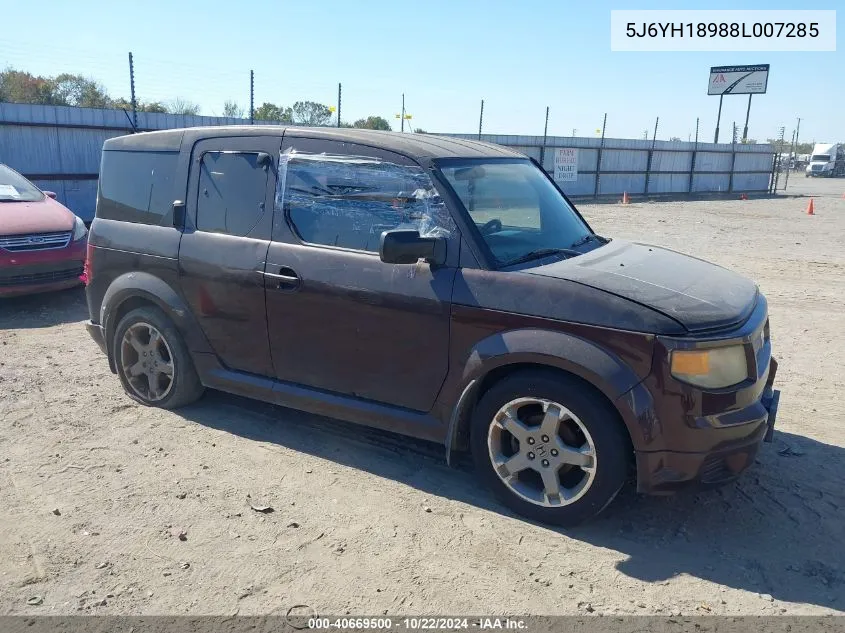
(286, 277)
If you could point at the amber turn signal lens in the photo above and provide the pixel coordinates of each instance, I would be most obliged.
(690, 363)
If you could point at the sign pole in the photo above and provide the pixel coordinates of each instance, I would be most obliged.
(718, 117)
(747, 112)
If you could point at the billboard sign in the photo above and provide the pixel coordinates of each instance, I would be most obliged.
(738, 80)
(566, 164)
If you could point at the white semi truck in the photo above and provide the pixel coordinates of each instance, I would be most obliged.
(827, 159)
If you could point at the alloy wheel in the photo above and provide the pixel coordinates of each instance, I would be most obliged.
(542, 452)
(147, 362)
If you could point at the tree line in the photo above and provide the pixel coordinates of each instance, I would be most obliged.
(68, 89)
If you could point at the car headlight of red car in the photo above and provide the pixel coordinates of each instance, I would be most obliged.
(79, 230)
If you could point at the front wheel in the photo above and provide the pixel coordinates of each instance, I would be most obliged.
(549, 448)
(153, 362)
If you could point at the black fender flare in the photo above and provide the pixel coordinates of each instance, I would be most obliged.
(149, 287)
(599, 367)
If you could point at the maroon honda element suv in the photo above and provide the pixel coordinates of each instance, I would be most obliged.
(440, 288)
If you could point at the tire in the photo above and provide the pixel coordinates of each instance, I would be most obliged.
(172, 380)
(586, 489)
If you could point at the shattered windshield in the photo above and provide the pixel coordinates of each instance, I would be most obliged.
(517, 210)
(16, 188)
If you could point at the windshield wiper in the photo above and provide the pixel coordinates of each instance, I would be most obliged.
(589, 237)
(581, 241)
(539, 254)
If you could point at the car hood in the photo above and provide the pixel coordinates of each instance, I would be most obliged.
(695, 293)
(44, 216)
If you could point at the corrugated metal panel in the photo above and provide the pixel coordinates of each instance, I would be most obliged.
(710, 161)
(617, 183)
(80, 196)
(60, 140)
(671, 161)
(623, 160)
(584, 186)
(711, 183)
(668, 183)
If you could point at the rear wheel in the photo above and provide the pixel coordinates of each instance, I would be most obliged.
(153, 362)
(549, 448)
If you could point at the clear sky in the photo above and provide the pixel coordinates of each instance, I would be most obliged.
(445, 55)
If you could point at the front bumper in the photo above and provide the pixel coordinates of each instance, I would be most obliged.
(664, 472)
(30, 272)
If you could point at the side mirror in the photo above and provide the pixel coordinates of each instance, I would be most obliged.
(264, 160)
(50, 194)
(403, 246)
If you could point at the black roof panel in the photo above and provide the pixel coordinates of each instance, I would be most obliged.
(413, 145)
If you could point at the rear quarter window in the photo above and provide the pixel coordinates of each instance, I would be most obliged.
(136, 186)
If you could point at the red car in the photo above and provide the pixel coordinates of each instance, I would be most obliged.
(42, 243)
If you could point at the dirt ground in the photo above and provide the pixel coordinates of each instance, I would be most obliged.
(94, 489)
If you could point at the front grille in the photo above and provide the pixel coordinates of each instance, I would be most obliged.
(41, 278)
(35, 241)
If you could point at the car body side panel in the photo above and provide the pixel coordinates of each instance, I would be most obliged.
(117, 248)
(222, 275)
(158, 286)
(354, 325)
(483, 340)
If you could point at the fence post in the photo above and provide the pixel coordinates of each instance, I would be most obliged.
(480, 119)
(782, 131)
(251, 98)
(692, 162)
(772, 176)
(598, 159)
(650, 157)
(132, 92)
(545, 135)
(733, 160)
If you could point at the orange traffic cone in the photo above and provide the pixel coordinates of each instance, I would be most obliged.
(810, 208)
(625, 198)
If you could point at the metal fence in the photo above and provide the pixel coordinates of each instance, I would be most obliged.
(650, 167)
(58, 148)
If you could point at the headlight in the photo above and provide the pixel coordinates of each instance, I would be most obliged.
(79, 230)
(710, 368)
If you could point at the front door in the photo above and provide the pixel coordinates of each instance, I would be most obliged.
(224, 247)
(339, 318)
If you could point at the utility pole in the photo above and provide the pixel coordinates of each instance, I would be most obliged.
(792, 151)
(480, 119)
(132, 92)
(251, 98)
(402, 120)
(338, 104)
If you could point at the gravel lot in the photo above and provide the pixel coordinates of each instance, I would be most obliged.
(95, 490)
